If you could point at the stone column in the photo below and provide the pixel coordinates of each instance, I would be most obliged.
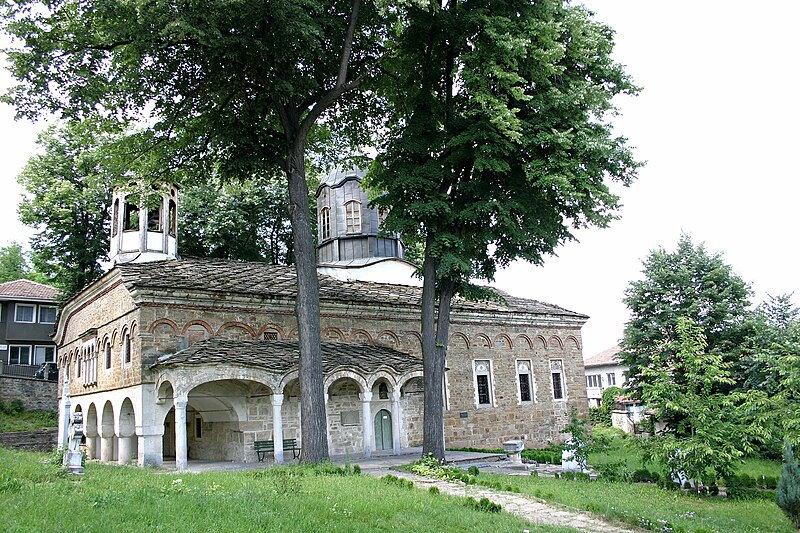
(366, 423)
(151, 445)
(277, 426)
(91, 446)
(396, 421)
(181, 442)
(106, 447)
(126, 447)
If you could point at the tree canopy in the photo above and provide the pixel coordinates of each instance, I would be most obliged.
(239, 85)
(691, 283)
(15, 264)
(500, 144)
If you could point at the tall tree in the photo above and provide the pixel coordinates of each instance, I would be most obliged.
(66, 199)
(15, 264)
(240, 82)
(689, 282)
(500, 143)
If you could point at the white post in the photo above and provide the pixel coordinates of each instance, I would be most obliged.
(181, 443)
(65, 407)
(277, 426)
(366, 422)
(125, 454)
(396, 421)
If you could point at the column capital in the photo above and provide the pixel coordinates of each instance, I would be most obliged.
(180, 402)
(277, 399)
(365, 396)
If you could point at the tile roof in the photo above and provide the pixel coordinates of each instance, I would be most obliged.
(604, 358)
(284, 356)
(262, 280)
(24, 288)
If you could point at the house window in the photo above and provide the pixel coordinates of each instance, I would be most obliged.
(325, 223)
(611, 379)
(483, 382)
(173, 218)
(25, 313)
(352, 216)
(47, 314)
(126, 348)
(44, 354)
(115, 218)
(131, 222)
(556, 372)
(524, 381)
(108, 355)
(594, 381)
(19, 355)
(154, 219)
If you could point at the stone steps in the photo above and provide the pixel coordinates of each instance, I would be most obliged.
(42, 440)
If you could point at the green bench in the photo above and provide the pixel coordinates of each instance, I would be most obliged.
(267, 447)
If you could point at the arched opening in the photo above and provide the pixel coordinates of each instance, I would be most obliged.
(108, 439)
(345, 416)
(127, 433)
(90, 430)
(411, 403)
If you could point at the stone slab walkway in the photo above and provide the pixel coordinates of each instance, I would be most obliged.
(532, 510)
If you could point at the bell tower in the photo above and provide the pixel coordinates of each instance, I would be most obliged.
(144, 224)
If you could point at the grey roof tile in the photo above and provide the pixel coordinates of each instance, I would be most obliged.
(284, 356)
(264, 281)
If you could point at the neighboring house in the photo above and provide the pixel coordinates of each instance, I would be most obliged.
(198, 358)
(28, 312)
(602, 371)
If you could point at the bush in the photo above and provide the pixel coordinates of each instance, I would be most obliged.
(484, 504)
(788, 493)
(473, 470)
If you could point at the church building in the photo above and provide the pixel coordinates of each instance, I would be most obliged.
(196, 359)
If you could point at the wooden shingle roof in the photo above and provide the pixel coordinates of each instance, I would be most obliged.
(275, 281)
(284, 356)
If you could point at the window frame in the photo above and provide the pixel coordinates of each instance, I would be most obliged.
(130, 211)
(107, 356)
(39, 313)
(127, 348)
(482, 368)
(611, 378)
(594, 381)
(18, 306)
(557, 369)
(11, 348)
(324, 223)
(352, 217)
(525, 368)
(45, 347)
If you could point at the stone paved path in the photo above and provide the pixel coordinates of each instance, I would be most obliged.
(532, 510)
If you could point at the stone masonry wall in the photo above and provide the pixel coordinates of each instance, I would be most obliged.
(35, 394)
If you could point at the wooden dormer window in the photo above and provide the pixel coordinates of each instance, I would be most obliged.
(352, 216)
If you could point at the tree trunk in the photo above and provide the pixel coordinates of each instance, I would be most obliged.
(432, 362)
(314, 426)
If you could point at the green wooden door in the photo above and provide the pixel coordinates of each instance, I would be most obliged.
(383, 430)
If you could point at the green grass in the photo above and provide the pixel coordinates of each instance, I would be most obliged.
(650, 507)
(27, 420)
(38, 496)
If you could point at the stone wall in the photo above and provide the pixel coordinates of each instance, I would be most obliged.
(35, 394)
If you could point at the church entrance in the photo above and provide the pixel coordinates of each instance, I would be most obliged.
(383, 430)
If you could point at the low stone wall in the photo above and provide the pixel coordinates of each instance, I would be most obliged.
(35, 394)
(41, 441)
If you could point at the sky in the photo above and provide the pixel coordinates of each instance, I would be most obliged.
(716, 123)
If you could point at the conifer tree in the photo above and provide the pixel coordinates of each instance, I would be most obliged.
(788, 491)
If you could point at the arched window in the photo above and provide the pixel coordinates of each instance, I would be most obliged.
(115, 218)
(154, 218)
(383, 391)
(325, 223)
(131, 222)
(352, 216)
(126, 347)
(173, 218)
(108, 355)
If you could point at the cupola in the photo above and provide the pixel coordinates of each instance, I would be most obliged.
(144, 223)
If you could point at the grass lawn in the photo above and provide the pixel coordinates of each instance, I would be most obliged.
(38, 496)
(643, 504)
(27, 420)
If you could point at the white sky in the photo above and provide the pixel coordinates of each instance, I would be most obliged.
(716, 124)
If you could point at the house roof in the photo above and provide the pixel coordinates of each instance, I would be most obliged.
(27, 290)
(262, 280)
(284, 356)
(604, 358)
(339, 175)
